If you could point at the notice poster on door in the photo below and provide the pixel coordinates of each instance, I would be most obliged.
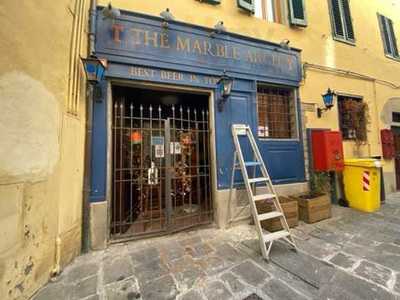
(159, 151)
(157, 140)
(263, 131)
(136, 137)
(175, 148)
(158, 143)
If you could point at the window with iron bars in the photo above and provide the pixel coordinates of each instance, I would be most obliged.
(353, 116)
(276, 113)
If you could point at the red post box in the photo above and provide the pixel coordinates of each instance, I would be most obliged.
(327, 150)
(388, 149)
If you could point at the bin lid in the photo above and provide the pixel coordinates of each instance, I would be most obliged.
(363, 162)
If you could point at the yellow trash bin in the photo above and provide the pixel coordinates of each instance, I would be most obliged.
(362, 185)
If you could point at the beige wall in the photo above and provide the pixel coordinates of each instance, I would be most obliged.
(42, 109)
(377, 76)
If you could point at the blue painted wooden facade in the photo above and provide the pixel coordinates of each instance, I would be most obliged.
(137, 47)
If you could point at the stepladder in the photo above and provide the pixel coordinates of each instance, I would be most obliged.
(259, 188)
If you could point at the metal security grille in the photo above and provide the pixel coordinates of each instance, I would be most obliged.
(161, 168)
(276, 112)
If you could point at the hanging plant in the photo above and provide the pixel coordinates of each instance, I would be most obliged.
(356, 117)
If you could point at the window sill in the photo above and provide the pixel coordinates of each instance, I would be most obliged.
(348, 42)
(393, 57)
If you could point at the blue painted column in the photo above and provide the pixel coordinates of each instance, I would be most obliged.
(99, 146)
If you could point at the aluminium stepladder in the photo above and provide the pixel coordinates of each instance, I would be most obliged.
(258, 167)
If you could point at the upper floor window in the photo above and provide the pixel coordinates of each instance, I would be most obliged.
(388, 37)
(271, 10)
(342, 24)
(276, 113)
(281, 11)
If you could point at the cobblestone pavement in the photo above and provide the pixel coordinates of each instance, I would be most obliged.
(351, 256)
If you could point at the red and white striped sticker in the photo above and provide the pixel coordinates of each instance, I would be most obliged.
(365, 181)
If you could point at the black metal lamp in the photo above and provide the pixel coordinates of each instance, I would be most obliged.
(224, 87)
(94, 69)
(328, 98)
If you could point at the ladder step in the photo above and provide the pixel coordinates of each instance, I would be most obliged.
(272, 236)
(263, 197)
(259, 179)
(252, 163)
(270, 215)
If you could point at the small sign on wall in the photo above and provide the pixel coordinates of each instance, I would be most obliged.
(308, 107)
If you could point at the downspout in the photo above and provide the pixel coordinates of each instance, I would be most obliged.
(88, 138)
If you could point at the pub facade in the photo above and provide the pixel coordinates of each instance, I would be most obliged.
(162, 149)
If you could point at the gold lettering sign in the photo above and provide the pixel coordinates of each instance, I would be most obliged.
(199, 46)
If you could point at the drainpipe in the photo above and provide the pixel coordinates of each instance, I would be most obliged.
(88, 138)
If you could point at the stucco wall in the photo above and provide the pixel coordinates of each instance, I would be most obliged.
(378, 74)
(41, 140)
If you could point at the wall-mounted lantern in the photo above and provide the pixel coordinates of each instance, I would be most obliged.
(94, 69)
(328, 98)
(224, 87)
(218, 28)
(167, 17)
(110, 12)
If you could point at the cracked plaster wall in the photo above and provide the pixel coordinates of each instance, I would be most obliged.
(41, 144)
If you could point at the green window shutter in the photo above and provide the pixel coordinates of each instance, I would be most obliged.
(385, 34)
(395, 51)
(246, 5)
(297, 13)
(212, 1)
(347, 20)
(336, 16)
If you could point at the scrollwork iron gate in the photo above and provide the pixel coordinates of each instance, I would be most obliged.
(161, 169)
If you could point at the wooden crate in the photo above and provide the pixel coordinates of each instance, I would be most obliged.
(314, 209)
(290, 209)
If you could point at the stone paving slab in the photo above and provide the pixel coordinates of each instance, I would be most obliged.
(353, 255)
(278, 290)
(344, 260)
(306, 267)
(344, 286)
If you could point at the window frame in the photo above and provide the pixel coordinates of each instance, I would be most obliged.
(249, 7)
(345, 39)
(355, 97)
(387, 54)
(296, 112)
(293, 21)
(395, 114)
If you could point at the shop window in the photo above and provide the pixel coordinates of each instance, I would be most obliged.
(388, 37)
(342, 24)
(276, 113)
(353, 114)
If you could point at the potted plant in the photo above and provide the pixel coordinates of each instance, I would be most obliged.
(316, 205)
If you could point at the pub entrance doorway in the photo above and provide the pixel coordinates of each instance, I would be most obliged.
(161, 167)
